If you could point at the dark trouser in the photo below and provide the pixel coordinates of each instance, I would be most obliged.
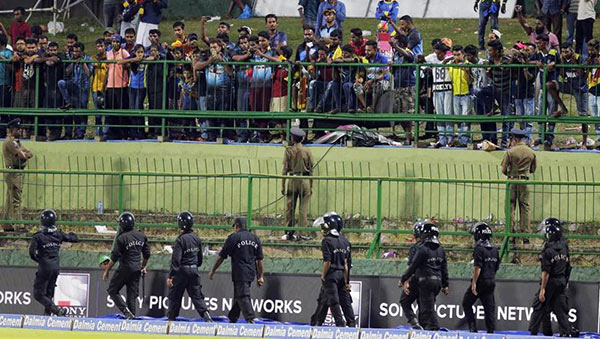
(136, 102)
(554, 24)
(187, 279)
(583, 33)
(571, 20)
(241, 302)
(556, 302)
(333, 284)
(116, 98)
(483, 20)
(406, 300)
(218, 99)
(155, 102)
(485, 293)
(429, 288)
(111, 12)
(43, 289)
(129, 279)
(485, 98)
(318, 318)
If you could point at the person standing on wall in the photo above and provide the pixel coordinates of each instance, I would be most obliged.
(297, 161)
(15, 158)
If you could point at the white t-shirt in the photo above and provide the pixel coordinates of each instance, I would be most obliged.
(441, 75)
(586, 9)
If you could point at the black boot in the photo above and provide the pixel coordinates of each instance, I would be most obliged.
(206, 316)
(128, 315)
(59, 311)
(415, 324)
(472, 327)
(338, 316)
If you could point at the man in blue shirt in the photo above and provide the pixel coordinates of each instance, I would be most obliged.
(376, 80)
(330, 25)
(76, 89)
(308, 12)
(150, 13)
(276, 38)
(340, 13)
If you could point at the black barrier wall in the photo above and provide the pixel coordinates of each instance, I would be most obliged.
(291, 298)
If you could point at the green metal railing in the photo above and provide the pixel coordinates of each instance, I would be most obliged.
(372, 206)
(166, 118)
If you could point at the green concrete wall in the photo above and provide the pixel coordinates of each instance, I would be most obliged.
(220, 196)
(83, 259)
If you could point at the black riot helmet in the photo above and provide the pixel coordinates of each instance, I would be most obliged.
(48, 218)
(185, 221)
(481, 231)
(337, 220)
(327, 224)
(126, 221)
(552, 228)
(429, 232)
(417, 228)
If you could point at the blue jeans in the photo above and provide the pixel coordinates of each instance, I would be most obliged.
(78, 97)
(571, 20)
(316, 90)
(350, 95)
(525, 107)
(485, 98)
(100, 131)
(136, 102)
(594, 109)
(483, 19)
(462, 106)
(442, 102)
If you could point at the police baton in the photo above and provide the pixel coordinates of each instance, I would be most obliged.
(143, 288)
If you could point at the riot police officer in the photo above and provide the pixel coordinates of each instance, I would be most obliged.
(556, 269)
(410, 288)
(486, 263)
(431, 270)
(246, 254)
(335, 268)
(132, 251)
(44, 249)
(318, 318)
(184, 275)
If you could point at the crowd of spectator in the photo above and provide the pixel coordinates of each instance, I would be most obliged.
(334, 69)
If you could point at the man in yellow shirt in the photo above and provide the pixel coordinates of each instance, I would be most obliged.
(461, 81)
(98, 82)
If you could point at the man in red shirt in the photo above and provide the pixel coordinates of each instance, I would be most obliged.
(19, 27)
(357, 42)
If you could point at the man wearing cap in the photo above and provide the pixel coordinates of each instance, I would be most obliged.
(297, 161)
(15, 158)
(518, 163)
(488, 9)
(246, 254)
(340, 13)
(244, 31)
(330, 25)
(150, 13)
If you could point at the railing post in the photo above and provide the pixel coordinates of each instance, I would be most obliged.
(164, 100)
(289, 87)
(544, 105)
(36, 98)
(121, 193)
(416, 120)
(249, 216)
(504, 251)
(376, 239)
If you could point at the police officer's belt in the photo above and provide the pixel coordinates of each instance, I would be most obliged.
(189, 266)
(521, 177)
(299, 173)
(18, 167)
(431, 277)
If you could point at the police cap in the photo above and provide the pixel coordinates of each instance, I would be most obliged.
(240, 222)
(14, 123)
(297, 132)
(519, 133)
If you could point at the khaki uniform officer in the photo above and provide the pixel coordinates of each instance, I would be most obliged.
(297, 160)
(518, 163)
(15, 157)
